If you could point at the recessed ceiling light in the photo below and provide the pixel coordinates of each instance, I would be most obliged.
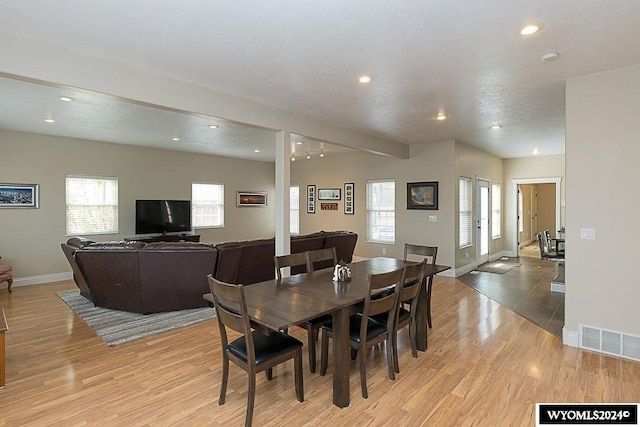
(293, 159)
(321, 154)
(49, 120)
(298, 142)
(256, 151)
(441, 117)
(529, 29)
(535, 151)
(365, 79)
(65, 99)
(308, 156)
(496, 127)
(213, 126)
(175, 138)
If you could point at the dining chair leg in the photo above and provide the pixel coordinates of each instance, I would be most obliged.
(391, 366)
(251, 397)
(363, 373)
(429, 304)
(225, 380)
(311, 338)
(412, 338)
(324, 356)
(297, 361)
(394, 348)
(269, 374)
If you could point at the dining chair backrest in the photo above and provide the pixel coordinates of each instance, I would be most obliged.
(321, 258)
(377, 301)
(291, 260)
(547, 238)
(430, 252)
(231, 311)
(413, 277)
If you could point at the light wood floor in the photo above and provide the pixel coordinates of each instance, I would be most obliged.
(485, 366)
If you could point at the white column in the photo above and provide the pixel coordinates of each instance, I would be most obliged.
(283, 182)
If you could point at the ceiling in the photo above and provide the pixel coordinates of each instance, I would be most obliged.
(425, 57)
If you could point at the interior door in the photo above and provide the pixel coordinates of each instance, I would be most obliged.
(482, 221)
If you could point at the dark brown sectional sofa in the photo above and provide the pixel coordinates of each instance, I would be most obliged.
(166, 276)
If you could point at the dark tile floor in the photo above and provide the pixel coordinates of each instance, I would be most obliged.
(526, 290)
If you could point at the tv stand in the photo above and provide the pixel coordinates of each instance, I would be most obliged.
(166, 238)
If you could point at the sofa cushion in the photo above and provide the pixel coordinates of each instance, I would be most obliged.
(344, 242)
(122, 245)
(177, 246)
(79, 242)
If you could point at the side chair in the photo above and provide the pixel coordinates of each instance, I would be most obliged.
(253, 351)
(429, 252)
(364, 332)
(312, 325)
(321, 258)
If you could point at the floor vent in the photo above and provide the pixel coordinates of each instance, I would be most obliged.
(610, 342)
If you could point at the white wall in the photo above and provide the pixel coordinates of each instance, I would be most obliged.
(31, 237)
(603, 155)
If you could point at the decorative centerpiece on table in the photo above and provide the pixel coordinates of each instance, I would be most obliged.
(341, 272)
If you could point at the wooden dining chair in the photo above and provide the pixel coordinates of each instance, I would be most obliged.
(312, 326)
(430, 253)
(291, 260)
(253, 351)
(413, 277)
(364, 332)
(321, 258)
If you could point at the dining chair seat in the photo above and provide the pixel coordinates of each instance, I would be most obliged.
(266, 347)
(374, 327)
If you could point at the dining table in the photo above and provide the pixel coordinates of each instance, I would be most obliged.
(282, 303)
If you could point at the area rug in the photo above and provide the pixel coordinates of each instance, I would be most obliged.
(498, 266)
(117, 327)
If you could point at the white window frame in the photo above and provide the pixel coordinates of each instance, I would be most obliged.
(203, 199)
(91, 205)
(380, 214)
(465, 212)
(294, 209)
(496, 211)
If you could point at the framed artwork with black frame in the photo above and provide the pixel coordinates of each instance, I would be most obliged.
(349, 201)
(311, 199)
(422, 195)
(329, 194)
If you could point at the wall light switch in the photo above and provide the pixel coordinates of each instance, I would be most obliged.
(433, 218)
(588, 233)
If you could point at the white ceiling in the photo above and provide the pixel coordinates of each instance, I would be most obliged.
(466, 60)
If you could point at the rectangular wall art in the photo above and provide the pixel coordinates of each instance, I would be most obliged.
(19, 195)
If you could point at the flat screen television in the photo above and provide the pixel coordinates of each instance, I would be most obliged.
(163, 216)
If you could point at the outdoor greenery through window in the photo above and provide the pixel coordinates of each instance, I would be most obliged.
(294, 209)
(381, 215)
(495, 211)
(207, 205)
(91, 205)
(465, 212)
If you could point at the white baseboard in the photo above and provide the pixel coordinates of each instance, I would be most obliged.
(44, 278)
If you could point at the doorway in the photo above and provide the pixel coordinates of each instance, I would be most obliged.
(482, 221)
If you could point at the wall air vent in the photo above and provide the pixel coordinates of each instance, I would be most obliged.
(610, 342)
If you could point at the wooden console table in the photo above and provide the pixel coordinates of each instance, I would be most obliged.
(167, 238)
(3, 328)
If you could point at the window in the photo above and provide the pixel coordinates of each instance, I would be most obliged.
(381, 215)
(207, 205)
(294, 209)
(465, 212)
(91, 205)
(495, 211)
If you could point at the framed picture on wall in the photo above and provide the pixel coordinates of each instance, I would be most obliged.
(311, 199)
(422, 195)
(329, 194)
(349, 203)
(19, 196)
(255, 199)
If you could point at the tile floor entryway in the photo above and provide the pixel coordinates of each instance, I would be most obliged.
(526, 290)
